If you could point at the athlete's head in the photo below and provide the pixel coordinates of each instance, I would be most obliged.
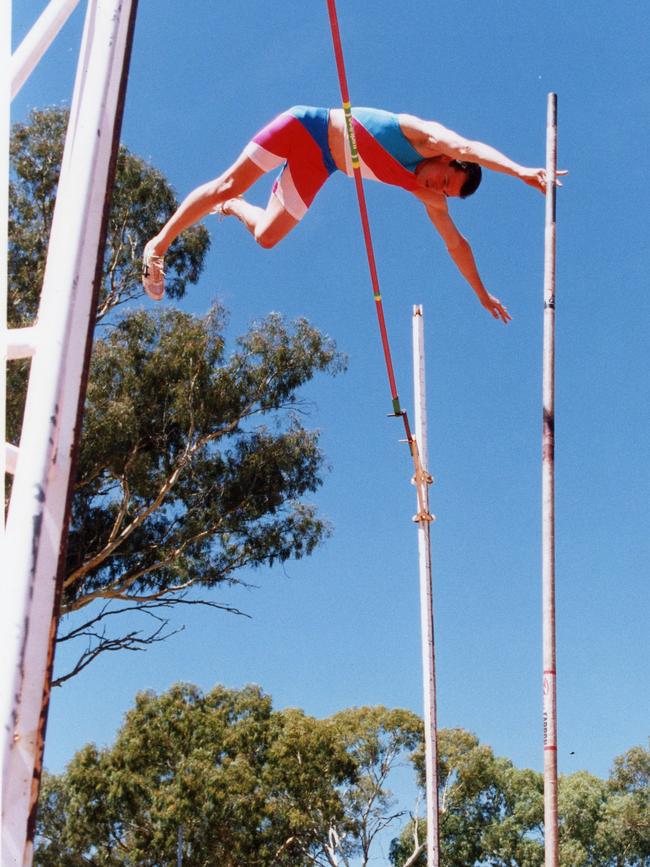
(473, 177)
(449, 177)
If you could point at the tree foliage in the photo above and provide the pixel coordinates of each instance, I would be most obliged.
(492, 813)
(194, 461)
(489, 810)
(246, 784)
(380, 740)
(607, 822)
(181, 484)
(242, 783)
(141, 200)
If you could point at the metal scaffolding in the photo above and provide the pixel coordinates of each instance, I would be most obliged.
(59, 345)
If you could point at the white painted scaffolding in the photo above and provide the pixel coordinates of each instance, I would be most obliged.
(59, 345)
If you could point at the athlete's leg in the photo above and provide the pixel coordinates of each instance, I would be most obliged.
(267, 150)
(284, 140)
(233, 182)
(267, 225)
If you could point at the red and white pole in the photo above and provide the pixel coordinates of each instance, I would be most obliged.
(548, 499)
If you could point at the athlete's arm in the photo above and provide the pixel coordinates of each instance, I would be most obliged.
(461, 253)
(432, 139)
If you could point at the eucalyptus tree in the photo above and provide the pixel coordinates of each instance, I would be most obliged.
(492, 812)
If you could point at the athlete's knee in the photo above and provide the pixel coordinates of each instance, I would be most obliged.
(274, 224)
(267, 238)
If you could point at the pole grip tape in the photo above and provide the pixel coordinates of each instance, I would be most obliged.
(349, 126)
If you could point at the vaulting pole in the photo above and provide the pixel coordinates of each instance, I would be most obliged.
(367, 235)
(426, 598)
(548, 499)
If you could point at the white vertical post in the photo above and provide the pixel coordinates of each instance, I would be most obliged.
(35, 522)
(426, 599)
(548, 500)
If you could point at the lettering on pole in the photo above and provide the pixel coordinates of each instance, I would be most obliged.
(549, 711)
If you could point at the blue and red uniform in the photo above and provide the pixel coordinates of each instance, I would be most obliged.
(299, 139)
(385, 153)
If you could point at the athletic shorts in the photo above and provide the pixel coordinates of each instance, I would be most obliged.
(297, 138)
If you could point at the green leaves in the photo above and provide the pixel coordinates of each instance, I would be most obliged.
(251, 785)
(492, 813)
(180, 482)
(248, 785)
(607, 822)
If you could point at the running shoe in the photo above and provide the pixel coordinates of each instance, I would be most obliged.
(153, 273)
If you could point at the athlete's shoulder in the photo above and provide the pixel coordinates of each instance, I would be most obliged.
(414, 128)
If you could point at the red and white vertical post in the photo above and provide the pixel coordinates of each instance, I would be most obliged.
(548, 500)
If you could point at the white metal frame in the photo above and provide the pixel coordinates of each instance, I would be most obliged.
(26, 57)
(58, 344)
(5, 106)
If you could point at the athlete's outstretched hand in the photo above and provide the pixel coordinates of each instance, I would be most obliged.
(496, 308)
(537, 178)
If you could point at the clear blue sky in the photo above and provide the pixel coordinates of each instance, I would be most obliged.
(342, 628)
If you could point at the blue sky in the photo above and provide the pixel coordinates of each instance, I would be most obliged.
(342, 628)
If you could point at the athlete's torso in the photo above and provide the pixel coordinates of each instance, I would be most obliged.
(386, 153)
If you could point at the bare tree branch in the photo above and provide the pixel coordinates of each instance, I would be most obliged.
(130, 641)
(335, 845)
(413, 857)
(126, 496)
(418, 847)
(99, 642)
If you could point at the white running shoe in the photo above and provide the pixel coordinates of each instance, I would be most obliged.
(153, 273)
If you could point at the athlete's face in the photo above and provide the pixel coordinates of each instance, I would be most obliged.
(439, 175)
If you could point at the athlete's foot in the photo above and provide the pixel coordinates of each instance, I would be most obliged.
(223, 209)
(153, 273)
